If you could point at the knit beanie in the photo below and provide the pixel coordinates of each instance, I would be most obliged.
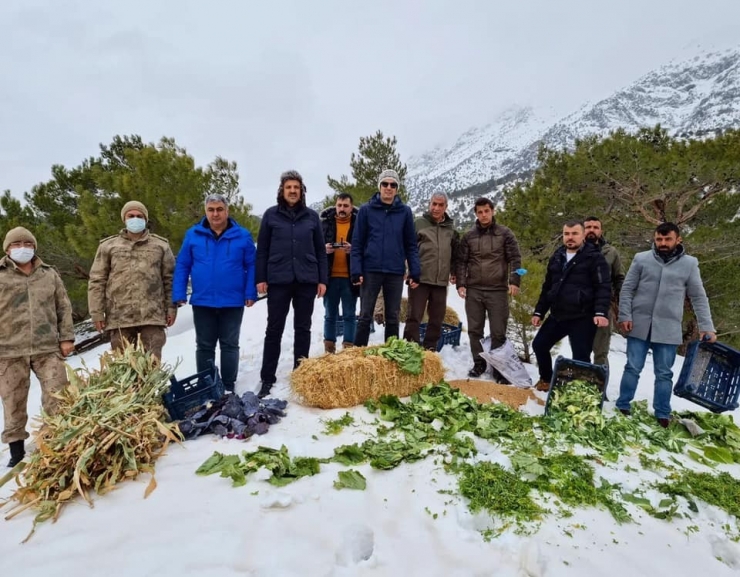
(389, 174)
(18, 234)
(134, 205)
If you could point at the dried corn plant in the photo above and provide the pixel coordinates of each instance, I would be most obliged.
(110, 425)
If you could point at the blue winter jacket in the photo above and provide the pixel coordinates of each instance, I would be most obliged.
(290, 248)
(385, 239)
(221, 269)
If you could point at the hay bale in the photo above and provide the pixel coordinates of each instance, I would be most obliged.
(351, 377)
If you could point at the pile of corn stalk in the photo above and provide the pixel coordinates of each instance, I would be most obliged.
(110, 425)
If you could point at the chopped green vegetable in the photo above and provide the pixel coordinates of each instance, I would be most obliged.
(409, 356)
(336, 426)
(351, 480)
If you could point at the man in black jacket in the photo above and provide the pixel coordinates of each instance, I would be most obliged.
(338, 223)
(577, 293)
(291, 268)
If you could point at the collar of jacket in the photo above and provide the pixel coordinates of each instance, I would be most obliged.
(331, 212)
(375, 202)
(446, 221)
(125, 234)
(585, 248)
(491, 227)
(7, 262)
(299, 210)
(204, 228)
(675, 254)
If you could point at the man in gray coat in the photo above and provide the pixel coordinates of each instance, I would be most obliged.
(650, 312)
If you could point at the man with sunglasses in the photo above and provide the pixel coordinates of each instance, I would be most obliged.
(36, 333)
(384, 241)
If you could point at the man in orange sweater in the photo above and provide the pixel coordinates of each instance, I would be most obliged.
(338, 224)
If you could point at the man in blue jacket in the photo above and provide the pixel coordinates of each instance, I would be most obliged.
(291, 268)
(218, 256)
(383, 243)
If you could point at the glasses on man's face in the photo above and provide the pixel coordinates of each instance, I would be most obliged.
(26, 244)
(387, 184)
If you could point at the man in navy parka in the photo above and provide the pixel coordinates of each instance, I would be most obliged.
(384, 241)
(291, 268)
(218, 256)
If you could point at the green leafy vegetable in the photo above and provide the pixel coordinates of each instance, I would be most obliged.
(409, 356)
(336, 426)
(351, 480)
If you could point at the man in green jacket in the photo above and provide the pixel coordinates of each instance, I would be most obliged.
(36, 334)
(486, 275)
(437, 240)
(595, 235)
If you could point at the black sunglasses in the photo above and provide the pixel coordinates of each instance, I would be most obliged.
(391, 184)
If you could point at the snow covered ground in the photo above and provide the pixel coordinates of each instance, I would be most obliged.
(193, 525)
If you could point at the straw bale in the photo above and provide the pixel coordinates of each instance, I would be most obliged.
(351, 377)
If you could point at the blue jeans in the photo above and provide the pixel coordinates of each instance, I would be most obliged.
(663, 359)
(222, 326)
(340, 290)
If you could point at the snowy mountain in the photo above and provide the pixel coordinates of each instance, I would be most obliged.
(689, 97)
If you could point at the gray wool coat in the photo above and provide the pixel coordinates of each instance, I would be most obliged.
(653, 295)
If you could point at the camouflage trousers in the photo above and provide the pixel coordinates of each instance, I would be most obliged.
(152, 338)
(15, 381)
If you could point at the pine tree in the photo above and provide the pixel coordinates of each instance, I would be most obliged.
(375, 154)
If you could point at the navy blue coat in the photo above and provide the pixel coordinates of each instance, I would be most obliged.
(291, 249)
(385, 239)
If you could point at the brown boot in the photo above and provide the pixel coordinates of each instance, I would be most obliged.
(347, 345)
(330, 347)
(542, 386)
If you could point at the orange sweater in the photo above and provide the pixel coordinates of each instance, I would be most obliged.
(340, 268)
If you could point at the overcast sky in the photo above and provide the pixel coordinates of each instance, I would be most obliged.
(276, 84)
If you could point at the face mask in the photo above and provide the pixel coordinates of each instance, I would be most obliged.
(22, 255)
(135, 225)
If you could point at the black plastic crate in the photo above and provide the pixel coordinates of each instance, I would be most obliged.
(192, 392)
(567, 370)
(450, 335)
(710, 376)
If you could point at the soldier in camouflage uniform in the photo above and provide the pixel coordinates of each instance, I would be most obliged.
(36, 334)
(130, 287)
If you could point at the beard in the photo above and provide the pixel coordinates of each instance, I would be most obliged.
(591, 237)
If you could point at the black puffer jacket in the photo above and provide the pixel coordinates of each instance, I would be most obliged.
(575, 289)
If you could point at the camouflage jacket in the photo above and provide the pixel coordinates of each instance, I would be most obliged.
(35, 312)
(131, 281)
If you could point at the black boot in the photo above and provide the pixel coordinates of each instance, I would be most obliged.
(264, 389)
(478, 369)
(17, 452)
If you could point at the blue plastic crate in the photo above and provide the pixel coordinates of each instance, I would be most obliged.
(450, 335)
(710, 376)
(567, 370)
(192, 392)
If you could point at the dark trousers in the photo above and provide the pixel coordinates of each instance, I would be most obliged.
(478, 304)
(222, 326)
(433, 300)
(580, 332)
(372, 284)
(279, 298)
